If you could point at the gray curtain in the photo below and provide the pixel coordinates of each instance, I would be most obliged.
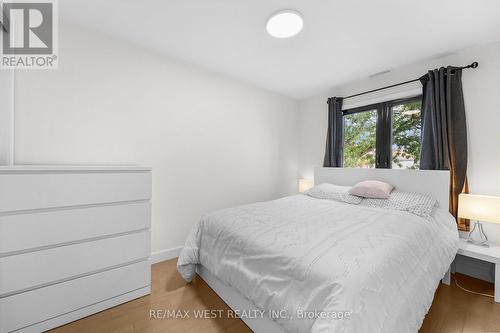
(334, 137)
(444, 130)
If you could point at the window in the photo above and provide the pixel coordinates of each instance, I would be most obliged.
(406, 129)
(360, 129)
(385, 135)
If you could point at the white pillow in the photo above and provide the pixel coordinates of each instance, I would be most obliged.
(415, 203)
(333, 192)
(372, 189)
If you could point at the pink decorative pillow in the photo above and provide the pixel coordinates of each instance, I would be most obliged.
(372, 189)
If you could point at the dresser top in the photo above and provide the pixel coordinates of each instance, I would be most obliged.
(70, 168)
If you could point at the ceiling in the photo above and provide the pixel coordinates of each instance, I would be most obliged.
(342, 40)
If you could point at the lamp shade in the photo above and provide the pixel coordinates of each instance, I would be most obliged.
(479, 207)
(305, 184)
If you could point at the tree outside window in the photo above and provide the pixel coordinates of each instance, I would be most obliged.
(402, 134)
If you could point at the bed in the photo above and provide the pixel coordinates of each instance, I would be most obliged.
(301, 264)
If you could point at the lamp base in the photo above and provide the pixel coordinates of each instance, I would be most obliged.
(479, 238)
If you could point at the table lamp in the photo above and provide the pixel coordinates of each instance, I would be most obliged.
(305, 184)
(479, 208)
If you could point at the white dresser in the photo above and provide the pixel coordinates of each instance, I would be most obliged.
(73, 241)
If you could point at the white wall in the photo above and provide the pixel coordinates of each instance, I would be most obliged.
(482, 100)
(6, 116)
(213, 142)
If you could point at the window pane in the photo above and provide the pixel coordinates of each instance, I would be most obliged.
(406, 128)
(359, 139)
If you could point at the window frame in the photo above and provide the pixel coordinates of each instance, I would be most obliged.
(383, 131)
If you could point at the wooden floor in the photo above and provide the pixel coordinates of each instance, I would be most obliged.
(453, 310)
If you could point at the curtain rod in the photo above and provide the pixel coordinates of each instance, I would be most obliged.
(473, 65)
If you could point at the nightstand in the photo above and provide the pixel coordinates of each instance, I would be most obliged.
(489, 254)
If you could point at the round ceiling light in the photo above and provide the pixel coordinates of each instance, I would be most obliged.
(285, 24)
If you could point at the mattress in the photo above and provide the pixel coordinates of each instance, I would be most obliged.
(326, 266)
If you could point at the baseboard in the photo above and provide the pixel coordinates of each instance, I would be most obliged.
(166, 254)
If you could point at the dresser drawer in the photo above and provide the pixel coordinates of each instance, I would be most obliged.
(34, 269)
(35, 306)
(21, 232)
(27, 191)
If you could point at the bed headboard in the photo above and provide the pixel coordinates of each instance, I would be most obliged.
(432, 182)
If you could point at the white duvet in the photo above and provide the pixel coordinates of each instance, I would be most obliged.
(300, 253)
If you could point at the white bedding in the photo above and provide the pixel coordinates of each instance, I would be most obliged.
(301, 253)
